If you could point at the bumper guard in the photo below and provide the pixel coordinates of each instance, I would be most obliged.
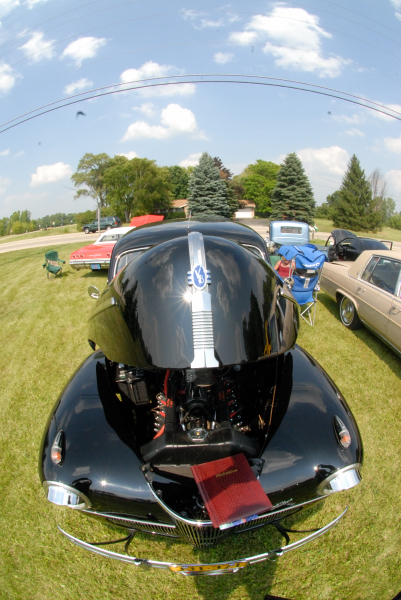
(222, 568)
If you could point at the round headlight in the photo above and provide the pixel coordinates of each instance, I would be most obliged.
(65, 495)
(343, 479)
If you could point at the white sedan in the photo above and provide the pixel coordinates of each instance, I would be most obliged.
(97, 256)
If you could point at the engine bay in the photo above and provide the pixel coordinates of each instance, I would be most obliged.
(187, 417)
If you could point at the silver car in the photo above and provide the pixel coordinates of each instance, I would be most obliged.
(368, 291)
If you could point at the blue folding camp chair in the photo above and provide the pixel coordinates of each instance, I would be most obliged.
(305, 275)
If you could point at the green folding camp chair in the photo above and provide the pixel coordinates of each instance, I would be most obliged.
(53, 264)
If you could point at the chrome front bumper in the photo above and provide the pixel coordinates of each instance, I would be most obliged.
(231, 566)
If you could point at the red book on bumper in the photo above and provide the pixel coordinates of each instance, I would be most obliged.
(230, 489)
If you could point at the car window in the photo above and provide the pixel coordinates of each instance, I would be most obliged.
(110, 237)
(368, 271)
(127, 257)
(384, 274)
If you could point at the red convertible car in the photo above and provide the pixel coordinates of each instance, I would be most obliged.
(97, 256)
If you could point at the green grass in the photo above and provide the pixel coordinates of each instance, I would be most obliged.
(387, 233)
(43, 233)
(43, 340)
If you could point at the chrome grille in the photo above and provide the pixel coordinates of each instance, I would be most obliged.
(145, 526)
(206, 536)
(200, 534)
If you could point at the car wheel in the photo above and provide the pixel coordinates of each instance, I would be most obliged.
(348, 314)
(86, 229)
(108, 227)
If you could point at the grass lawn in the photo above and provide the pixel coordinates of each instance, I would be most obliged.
(387, 233)
(43, 233)
(43, 336)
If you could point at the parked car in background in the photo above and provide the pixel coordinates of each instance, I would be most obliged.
(195, 363)
(345, 245)
(368, 291)
(287, 233)
(104, 223)
(97, 256)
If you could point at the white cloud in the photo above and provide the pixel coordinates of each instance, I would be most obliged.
(77, 86)
(7, 77)
(294, 38)
(175, 120)
(37, 48)
(393, 144)
(4, 182)
(200, 22)
(393, 179)
(83, 48)
(129, 155)
(355, 119)
(354, 132)
(151, 70)
(50, 173)
(141, 129)
(147, 108)
(191, 161)
(5, 152)
(391, 107)
(324, 160)
(223, 58)
(397, 6)
(6, 6)
(32, 3)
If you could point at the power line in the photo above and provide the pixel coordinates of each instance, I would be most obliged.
(359, 100)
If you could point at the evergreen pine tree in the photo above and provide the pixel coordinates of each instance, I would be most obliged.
(207, 192)
(353, 209)
(292, 198)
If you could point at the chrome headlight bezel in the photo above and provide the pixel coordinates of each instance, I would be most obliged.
(65, 495)
(342, 479)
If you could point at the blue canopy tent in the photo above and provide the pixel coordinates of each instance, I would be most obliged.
(306, 273)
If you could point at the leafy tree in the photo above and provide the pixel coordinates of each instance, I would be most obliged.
(292, 198)
(395, 221)
(326, 209)
(179, 177)
(223, 171)
(258, 181)
(137, 186)
(207, 192)
(89, 177)
(388, 210)
(354, 208)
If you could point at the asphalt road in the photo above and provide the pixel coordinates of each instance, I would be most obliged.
(51, 240)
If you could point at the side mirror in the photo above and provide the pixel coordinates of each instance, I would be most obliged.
(93, 292)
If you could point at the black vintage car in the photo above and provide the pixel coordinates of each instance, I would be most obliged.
(345, 245)
(195, 360)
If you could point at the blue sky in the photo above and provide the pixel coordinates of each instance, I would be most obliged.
(219, 58)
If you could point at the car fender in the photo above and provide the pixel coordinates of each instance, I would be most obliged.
(304, 447)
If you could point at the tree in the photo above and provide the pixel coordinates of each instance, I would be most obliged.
(292, 198)
(89, 177)
(258, 181)
(207, 192)
(354, 209)
(179, 177)
(231, 189)
(395, 221)
(137, 186)
(223, 171)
